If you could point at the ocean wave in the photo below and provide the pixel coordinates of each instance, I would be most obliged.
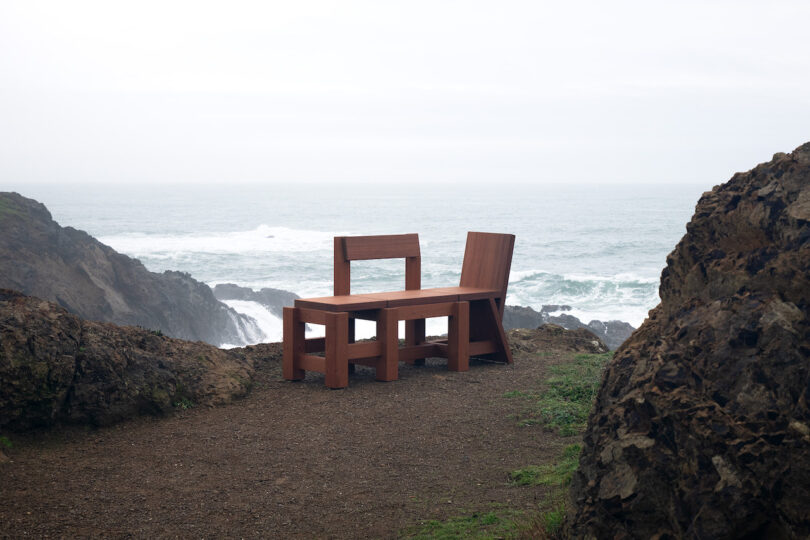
(625, 296)
(262, 239)
(628, 278)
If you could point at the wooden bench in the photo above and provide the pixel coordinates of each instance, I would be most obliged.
(474, 310)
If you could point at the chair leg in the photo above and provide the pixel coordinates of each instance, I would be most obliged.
(337, 350)
(415, 335)
(505, 354)
(485, 325)
(294, 344)
(458, 337)
(351, 340)
(388, 335)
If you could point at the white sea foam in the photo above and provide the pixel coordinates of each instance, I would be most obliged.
(626, 297)
(270, 326)
(622, 278)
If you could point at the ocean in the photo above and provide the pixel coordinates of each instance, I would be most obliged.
(599, 249)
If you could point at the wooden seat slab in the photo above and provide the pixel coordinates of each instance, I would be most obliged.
(347, 302)
(391, 299)
(414, 297)
(465, 293)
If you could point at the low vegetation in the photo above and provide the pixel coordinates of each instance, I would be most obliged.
(497, 523)
(565, 399)
(558, 474)
(560, 403)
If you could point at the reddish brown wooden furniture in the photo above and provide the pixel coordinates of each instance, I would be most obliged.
(474, 308)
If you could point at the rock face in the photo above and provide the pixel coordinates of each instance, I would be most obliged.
(275, 300)
(56, 367)
(553, 337)
(612, 333)
(702, 428)
(90, 279)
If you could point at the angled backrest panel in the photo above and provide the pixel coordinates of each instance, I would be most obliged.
(487, 260)
(391, 246)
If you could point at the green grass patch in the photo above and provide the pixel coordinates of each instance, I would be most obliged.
(553, 517)
(4, 441)
(501, 523)
(548, 522)
(566, 397)
(517, 394)
(558, 474)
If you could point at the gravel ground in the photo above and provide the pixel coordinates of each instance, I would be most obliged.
(292, 460)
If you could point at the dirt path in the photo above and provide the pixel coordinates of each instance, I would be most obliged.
(292, 460)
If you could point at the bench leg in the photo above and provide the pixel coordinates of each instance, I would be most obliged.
(388, 335)
(458, 337)
(415, 335)
(337, 350)
(294, 344)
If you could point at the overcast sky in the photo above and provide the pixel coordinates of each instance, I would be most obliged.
(383, 91)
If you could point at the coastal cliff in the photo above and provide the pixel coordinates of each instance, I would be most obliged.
(71, 268)
(701, 427)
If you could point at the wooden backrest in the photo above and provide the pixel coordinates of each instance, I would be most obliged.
(391, 246)
(487, 260)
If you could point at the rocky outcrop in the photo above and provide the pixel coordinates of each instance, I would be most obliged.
(90, 279)
(701, 428)
(551, 337)
(275, 300)
(58, 368)
(612, 333)
(526, 317)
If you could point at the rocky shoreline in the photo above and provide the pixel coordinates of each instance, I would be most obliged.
(38, 257)
(612, 333)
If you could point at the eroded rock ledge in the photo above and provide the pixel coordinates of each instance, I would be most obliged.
(58, 368)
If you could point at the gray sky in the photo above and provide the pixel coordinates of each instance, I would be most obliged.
(383, 91)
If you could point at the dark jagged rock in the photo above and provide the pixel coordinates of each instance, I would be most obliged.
(701, 428)
(90, 279)
(526, 317)
(58, 368)
(274, 300)
(521, 317)
(612, 333)
(553, 337)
